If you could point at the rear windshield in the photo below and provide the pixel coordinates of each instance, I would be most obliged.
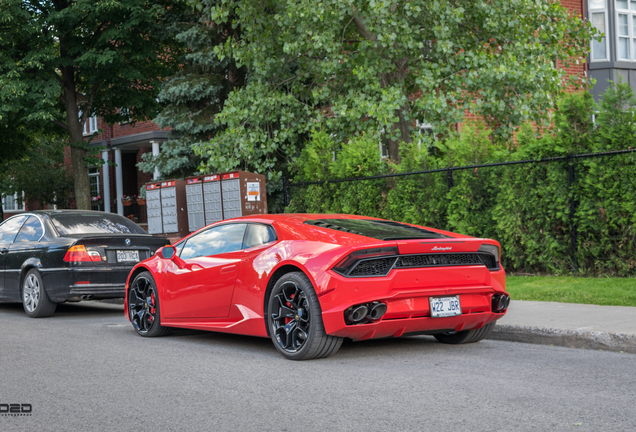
(377, 229)
(94, 223)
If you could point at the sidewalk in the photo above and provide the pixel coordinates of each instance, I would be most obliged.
(611, 328)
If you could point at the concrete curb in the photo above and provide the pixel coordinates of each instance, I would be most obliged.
(567, 338)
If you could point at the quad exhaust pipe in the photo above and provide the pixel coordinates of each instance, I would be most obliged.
(376, 311)
(365, 313)
(500, 302)
(358, 313)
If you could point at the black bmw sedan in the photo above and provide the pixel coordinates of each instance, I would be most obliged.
(53, 256)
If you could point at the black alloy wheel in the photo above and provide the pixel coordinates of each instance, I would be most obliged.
(295, 322)
(290, 317)
(143, 306)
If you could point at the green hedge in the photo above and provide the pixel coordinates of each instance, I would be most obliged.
(525, 207)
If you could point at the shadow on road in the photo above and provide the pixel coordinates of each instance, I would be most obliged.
(350, 350)
(71, 310)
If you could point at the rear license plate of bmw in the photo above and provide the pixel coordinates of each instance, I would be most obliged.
(127, 256)
(442, 307)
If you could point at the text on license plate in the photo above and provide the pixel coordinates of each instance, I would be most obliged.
(127, 256)
(445, 306)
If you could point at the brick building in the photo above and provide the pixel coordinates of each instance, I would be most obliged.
(124, 146)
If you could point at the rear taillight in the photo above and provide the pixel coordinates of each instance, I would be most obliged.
(79, 253)
(379, 262)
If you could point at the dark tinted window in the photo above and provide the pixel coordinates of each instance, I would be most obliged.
(30, 231)
(258, 234)
(217, 240)
(94, 223)
(9, 228)
(378, 229)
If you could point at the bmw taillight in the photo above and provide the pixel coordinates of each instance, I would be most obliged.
(368, 262)
(79, 253)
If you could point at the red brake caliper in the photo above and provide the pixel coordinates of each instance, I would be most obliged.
(288, 320)
(152, 309)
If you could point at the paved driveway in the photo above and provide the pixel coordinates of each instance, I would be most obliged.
(86, 369)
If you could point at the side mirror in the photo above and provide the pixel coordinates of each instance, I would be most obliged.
(167, 252)
(170, 253)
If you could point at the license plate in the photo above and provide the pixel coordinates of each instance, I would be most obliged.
(127, 256)
(442, 307)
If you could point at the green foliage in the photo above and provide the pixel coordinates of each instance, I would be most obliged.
(63, 61)
(41, 174)
(354, 66)
(526, 207)
(196, 94)
(617, 118)
(315, 160)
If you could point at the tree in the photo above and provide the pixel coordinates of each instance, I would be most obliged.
(617, 117)
(40, 174)
(63, 61)
(353, 66)
(196, 94)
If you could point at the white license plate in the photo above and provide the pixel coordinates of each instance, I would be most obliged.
(127, 256)
(442, 307)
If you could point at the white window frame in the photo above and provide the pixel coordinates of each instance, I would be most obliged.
(383, 148)
(126, 112)
(13, 210)
(423, 128)
(605, 12)
(90, 127)
(631, 36)
(96, 175)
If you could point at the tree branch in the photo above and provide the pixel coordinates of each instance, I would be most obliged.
(364, 32)
(61, 124)
(344, 30)
(59, 78)
(36, 5)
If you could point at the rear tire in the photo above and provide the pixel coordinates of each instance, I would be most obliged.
(143, 307)
(466, 336)
(35, 300)
(294, 320)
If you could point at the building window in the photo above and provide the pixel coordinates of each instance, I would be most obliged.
(90, 127)
(11, 203)
(626, 30)
(424, 128)
(93, 181)
(599, 16)
(384, 150)
(125, 112)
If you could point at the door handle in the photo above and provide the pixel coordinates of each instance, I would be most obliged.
(228, 269)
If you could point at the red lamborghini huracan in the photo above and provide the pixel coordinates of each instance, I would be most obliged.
(307, 281)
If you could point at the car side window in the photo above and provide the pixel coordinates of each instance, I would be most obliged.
(9, 228)
(30, 231)
(217, 240)
(259, 234)
(179, 247)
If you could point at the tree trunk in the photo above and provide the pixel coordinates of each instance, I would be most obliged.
(403, 127)
(80, 178)
(76, 139)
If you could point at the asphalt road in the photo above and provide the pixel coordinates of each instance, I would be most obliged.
(85, 369)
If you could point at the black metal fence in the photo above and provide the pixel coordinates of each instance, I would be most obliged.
(570, 179)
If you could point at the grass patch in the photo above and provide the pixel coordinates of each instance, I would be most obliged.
(566, 289)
